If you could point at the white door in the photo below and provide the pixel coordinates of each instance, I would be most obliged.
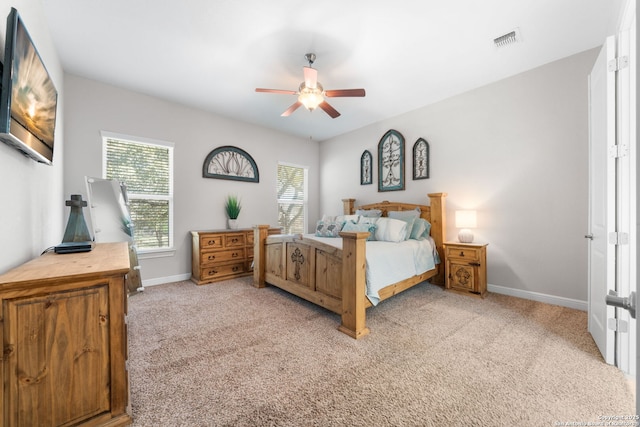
(626, 203)
(601, 264)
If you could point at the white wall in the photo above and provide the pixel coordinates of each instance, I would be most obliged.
(92, 107)
(516, 151)
(33, 202)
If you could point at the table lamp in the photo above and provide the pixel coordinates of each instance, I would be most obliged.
(465, 220)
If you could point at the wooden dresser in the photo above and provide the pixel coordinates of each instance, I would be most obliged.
(64, 339)
(222, 254)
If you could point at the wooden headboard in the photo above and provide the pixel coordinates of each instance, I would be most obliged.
(435, 213)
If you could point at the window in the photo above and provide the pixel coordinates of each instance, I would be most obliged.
(146, 167)
(292, 198)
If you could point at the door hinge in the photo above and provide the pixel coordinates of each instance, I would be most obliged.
(617, 64)
(619, 150)
(618, 238)
(618, 325)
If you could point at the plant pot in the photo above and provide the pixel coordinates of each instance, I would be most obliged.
(232, 224)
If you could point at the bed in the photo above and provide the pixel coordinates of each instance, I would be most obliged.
(334, 275)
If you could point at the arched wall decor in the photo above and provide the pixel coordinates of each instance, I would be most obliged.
(391, 161)
(366, 165)
(421, 159)
(228, 162)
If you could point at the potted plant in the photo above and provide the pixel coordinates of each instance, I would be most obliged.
(232, 206)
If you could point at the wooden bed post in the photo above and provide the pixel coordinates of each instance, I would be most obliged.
(353, 284)
(439, 232)
(260, 233)
(348, 206)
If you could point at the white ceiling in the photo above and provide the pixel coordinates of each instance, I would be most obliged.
(212, 54)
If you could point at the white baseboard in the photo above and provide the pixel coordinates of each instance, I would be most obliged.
(168, 279)
(536, 296)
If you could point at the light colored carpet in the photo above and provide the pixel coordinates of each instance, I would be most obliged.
(228, 354)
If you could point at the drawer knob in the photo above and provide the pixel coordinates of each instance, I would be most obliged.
(474, 264)
(461, 253)
(212, 257)
(211, 242)
(234, 255)
(211, 272)
(236, 268)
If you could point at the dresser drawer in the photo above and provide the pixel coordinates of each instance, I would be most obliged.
(211, 241)
(222, 270)
(234, 240)
(215, 257)
(462, 253)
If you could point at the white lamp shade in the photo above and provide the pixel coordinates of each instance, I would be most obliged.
(466, 219)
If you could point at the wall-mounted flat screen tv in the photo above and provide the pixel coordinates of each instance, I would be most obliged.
(28, 99)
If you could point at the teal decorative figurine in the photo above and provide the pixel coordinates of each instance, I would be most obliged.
(77, 230)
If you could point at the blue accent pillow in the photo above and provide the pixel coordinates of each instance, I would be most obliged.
(371, 228)
(421, 228)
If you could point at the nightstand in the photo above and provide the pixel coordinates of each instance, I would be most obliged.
(466, 265)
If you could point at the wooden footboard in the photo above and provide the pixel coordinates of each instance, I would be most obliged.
(316, 272)
(335, 278)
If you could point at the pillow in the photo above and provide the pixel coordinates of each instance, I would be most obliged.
(351, 226)
(390, 230)
(328, 228)
(371, 213)
(407, 216)
(347, 218)
(421, 228)
(367, 220)
(413, 213)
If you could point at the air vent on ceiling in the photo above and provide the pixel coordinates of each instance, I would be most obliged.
(508, 38)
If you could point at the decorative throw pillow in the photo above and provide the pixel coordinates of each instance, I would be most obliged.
(371, 213)
(351, 226)
(391, 230)
(328, 228)
(421, 228)
(347, 218)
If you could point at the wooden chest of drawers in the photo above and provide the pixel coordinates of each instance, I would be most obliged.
(222, 254)
(466, 265)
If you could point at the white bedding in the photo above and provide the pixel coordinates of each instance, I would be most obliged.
(388, 262)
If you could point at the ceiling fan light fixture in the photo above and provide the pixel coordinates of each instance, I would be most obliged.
(311, 94)
(311, 97)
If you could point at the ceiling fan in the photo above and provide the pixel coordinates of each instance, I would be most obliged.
(311, 94)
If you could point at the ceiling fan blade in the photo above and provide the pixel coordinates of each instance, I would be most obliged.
(310, 77)
(344, 92)
(282, 91)
(291, 109)
(329, 109)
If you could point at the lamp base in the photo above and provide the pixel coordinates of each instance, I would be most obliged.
(465, 236)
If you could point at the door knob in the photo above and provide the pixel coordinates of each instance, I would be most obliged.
(588, 236)
(628, 303)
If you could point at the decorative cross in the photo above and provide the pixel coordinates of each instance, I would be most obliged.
(463, 276)
(298, 259)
